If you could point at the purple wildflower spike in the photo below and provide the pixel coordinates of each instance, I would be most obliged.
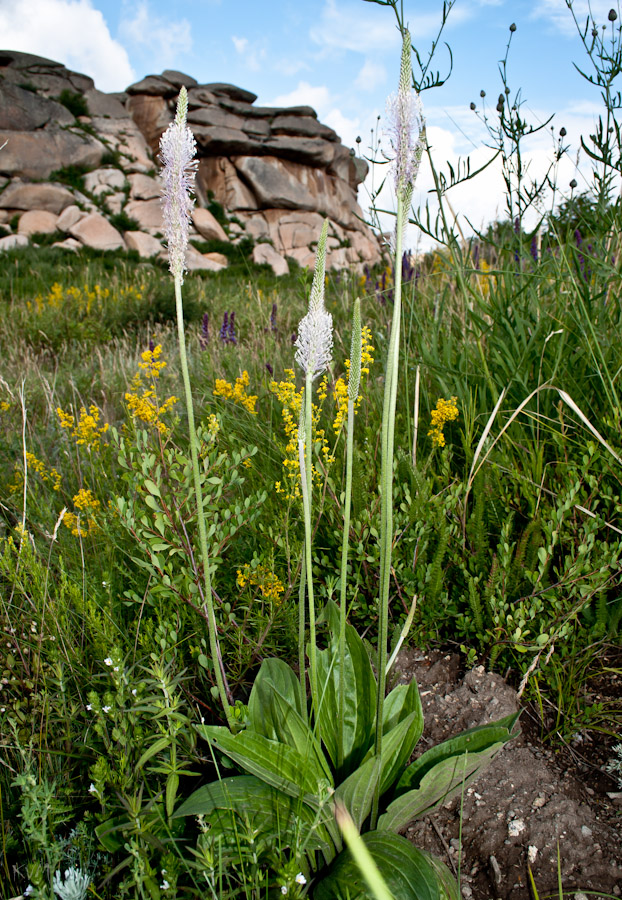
(231, 337)
(273, 317)
(177, 150)
(224, 327)
(204, 336)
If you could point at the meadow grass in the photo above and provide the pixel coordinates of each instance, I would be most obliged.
(505, 510)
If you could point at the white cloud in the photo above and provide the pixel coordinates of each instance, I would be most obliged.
(159, 40)
(67, 31)
(347, 129)
(353, 27)
(556, 11)
(370, 76)
(253, 56)
(240, 43)
(306, 95)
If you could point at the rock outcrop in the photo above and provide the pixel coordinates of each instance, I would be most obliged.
(276, 173)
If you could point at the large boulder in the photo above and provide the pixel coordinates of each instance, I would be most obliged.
(36, 154)
(37, 221)
(96, 231)
(49, 197)
(278, 171)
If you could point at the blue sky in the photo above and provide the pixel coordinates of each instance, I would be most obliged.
(340, 56)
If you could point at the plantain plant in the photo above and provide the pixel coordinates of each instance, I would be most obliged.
(349, 746)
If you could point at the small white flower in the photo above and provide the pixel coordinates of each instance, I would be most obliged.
(283, 889)
(108, 661)
(3, 709)
(104, 584)
(28, 891)
(92, 788)
(300, 879)
(134, 692)
(165, 885)
(115, 668)
(106, 709)
(89, 707)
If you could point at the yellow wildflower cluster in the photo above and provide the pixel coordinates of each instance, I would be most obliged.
(4, 406)
(213, 426)
(86, 299)
(151, 363)
(445, 411)
(268, 583)
(142, 400)
(291, 401)
(84, 522)
(340, 390)
(87, 431)
(237, 392)
(49, 476)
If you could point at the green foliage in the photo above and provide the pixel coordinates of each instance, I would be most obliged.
(75, 102)
(122, 222)
(73, 175)
(291, 757)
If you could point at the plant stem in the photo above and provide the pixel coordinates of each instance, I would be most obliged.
(306, 463)
(344, 573)
(209, 604)
(386, 487)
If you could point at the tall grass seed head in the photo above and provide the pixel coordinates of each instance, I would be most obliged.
(177, 151)
(406, 126)
(314, 344)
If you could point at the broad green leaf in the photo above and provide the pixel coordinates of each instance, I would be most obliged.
(275, 711)
(403, 700)
(274, 674)
(277, 764)
(397, 747)
(359, 701)
(439, 774)
(473, 739)
(357, 791)
(264, 807)
(410, 874)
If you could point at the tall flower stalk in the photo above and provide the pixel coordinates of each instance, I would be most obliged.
(354, 381)
(408, 137)
(177, 149)
(314, 346)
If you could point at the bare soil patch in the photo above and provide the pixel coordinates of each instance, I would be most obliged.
(530, 799)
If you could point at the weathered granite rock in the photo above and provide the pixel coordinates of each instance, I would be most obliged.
(196, 260)
(148, 214)
(101, 180)
(265, 253)
(280, 171)
(36, 154)
(68, 244)
(104, 105)
(97, 232)
(218, 175)
(50, 197)
(69, 217)
(37, 221)
(152, 116)
(24, 110)
(13, 241)
(143, 187)
(208, 226)
(146, 244)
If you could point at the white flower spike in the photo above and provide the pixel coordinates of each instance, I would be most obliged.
(314, 344)
(177, 150)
